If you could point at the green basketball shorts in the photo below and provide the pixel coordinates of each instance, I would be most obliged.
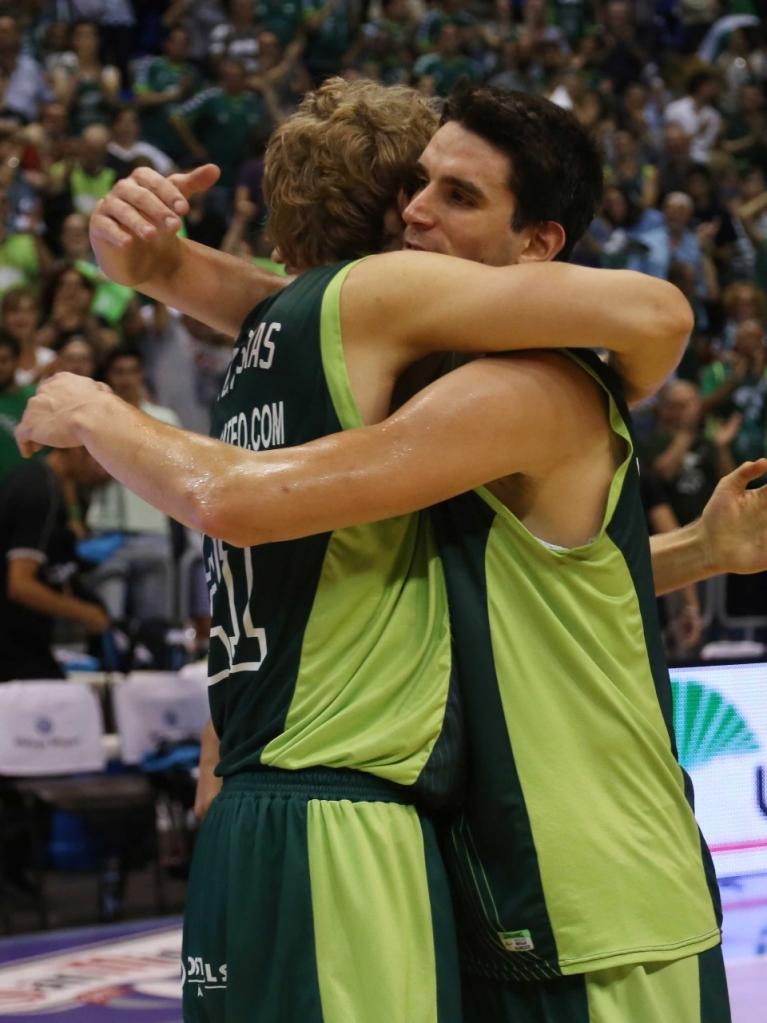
(318, 896)
(692, 990)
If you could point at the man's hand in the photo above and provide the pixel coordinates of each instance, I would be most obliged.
(734, 522)
(134, 228)
(726, 431)
(94, 619)
(51, 416)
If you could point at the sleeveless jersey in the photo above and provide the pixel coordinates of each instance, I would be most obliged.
(331, 650)
(577, 849)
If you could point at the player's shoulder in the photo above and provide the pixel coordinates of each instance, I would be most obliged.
(403, 264)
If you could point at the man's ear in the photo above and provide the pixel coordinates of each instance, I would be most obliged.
(544, 242)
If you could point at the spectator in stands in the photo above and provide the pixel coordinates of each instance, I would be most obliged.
(236, 38)
(20, 319)
(198, 18)
(750, 221)
(673, 242)
(53, 141)
(743, 61)
(614, 237)
(110, 301)
(331, 27)
(130, 149)
(697, 115)
(640, 113)
(623, 59)
(38, 567)
(13, 401)
(683, 458)
(67, 310)
(387, 43)
(135, 582)
(81, 182)
(745, 135)
(679, 611)
(281, 77)
(742, 300)
(76, 355)
(23, 86)
(711, 219)
(629, 170)
(162, 83)
(220, 123)
(535, 18)
(735, 386)
(675, 160)
(24, 256)
(446, 63)
(283, 17)
(508, 72)
(88, 89)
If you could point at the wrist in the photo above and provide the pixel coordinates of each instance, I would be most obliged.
(707, 554)
(90, 417)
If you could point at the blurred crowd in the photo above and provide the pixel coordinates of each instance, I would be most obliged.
(675, 90)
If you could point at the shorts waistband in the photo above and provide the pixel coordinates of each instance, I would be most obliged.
(319, 783)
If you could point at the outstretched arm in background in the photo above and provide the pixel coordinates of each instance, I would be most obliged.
(730, 535)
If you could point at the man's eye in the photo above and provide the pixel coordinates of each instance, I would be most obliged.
(413, 185)
(461, 198)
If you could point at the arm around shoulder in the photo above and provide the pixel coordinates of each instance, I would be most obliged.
(430, 302)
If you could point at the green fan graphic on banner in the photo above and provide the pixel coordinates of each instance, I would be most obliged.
(707, 726)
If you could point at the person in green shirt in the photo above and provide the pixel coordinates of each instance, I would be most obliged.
(221, 120)
(13, 401)
(283, 17)
(162, 84)
(90, 177)
(446, 64)
(24, 257)
(737, 386)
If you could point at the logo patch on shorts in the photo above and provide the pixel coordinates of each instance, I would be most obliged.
(517, 941)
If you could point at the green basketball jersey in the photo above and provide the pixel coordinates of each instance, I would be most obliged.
(331, 650)
(578, 849)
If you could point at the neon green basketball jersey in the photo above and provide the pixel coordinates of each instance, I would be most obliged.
(578, 849)
(332, 650)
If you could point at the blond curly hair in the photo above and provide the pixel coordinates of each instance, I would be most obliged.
(334, 169)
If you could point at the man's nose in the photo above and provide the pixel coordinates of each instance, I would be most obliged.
(419, 210)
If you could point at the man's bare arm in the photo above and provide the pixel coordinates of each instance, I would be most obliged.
(730, 535)
(379, 471)
(134, 233)
(422, 301)
(432, 448)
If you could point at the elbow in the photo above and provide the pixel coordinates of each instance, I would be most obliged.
(674, 319)
(214, 509)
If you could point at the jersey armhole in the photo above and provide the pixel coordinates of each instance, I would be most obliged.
(332, 352)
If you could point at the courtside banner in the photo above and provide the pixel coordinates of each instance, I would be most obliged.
(720, 719)
(49, 727)
(133, 977)
(152, 707)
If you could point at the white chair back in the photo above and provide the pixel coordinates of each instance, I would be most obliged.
(151, 707)
(49, 727)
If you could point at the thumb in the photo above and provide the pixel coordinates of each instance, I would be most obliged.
(747, 472)
(26, 447)
(198, 180)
